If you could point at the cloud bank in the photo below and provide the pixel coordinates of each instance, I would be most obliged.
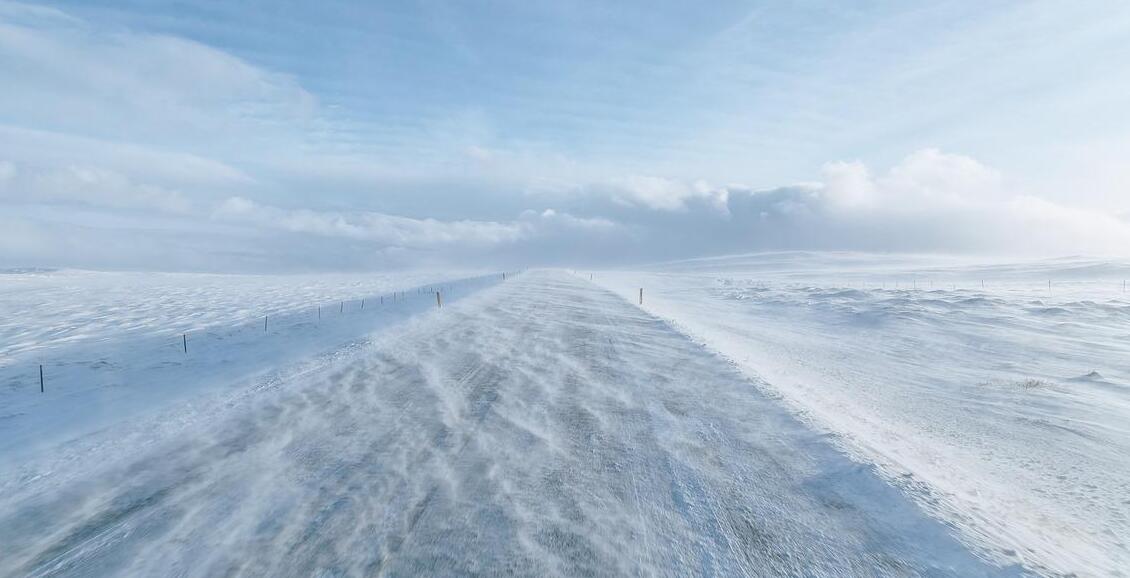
(929, 202)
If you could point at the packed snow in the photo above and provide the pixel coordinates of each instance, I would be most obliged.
(997, 395)
(541, 426)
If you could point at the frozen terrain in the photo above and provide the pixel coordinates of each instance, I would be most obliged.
(542, 426)
(117, 345)
(1002, 404)
(48, 309)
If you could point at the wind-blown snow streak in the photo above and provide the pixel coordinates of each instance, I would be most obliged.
(541, 427)
(1002, 408)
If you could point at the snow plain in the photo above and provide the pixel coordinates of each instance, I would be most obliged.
(49, 309)
(541, 426)
(1000, 403)
(118, 345)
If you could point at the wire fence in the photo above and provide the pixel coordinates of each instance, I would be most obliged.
(274, 337)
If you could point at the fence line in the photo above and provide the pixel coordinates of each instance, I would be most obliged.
(296, 315)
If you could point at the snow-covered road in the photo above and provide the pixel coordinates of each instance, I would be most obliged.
(541, 427)
(1003, 406)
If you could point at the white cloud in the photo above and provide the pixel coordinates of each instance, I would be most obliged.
(86, 185)
(45, 150)
(663, 194)
(108, 118)
(927, 177)
(552, 218)
(951, 201)
(373, 227)
(110, 127)
(77, 78)
(943, 178)
(390, 230)
(849, 185)
(931, 201)
(7, 172)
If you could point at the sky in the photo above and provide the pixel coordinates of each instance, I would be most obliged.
(256, 136)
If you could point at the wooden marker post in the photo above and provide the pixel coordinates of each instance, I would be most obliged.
(264, 324)
(641, 295)
(439, 301)
(41, 378)
(184, 341)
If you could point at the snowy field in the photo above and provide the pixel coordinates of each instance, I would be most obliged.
(848, 415)
(115, 345)
(48, 310)
(1001, 404)
(537, 427)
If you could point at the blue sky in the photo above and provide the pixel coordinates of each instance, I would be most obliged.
(296, 135)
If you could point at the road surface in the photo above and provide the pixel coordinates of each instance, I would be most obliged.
(543, 427)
